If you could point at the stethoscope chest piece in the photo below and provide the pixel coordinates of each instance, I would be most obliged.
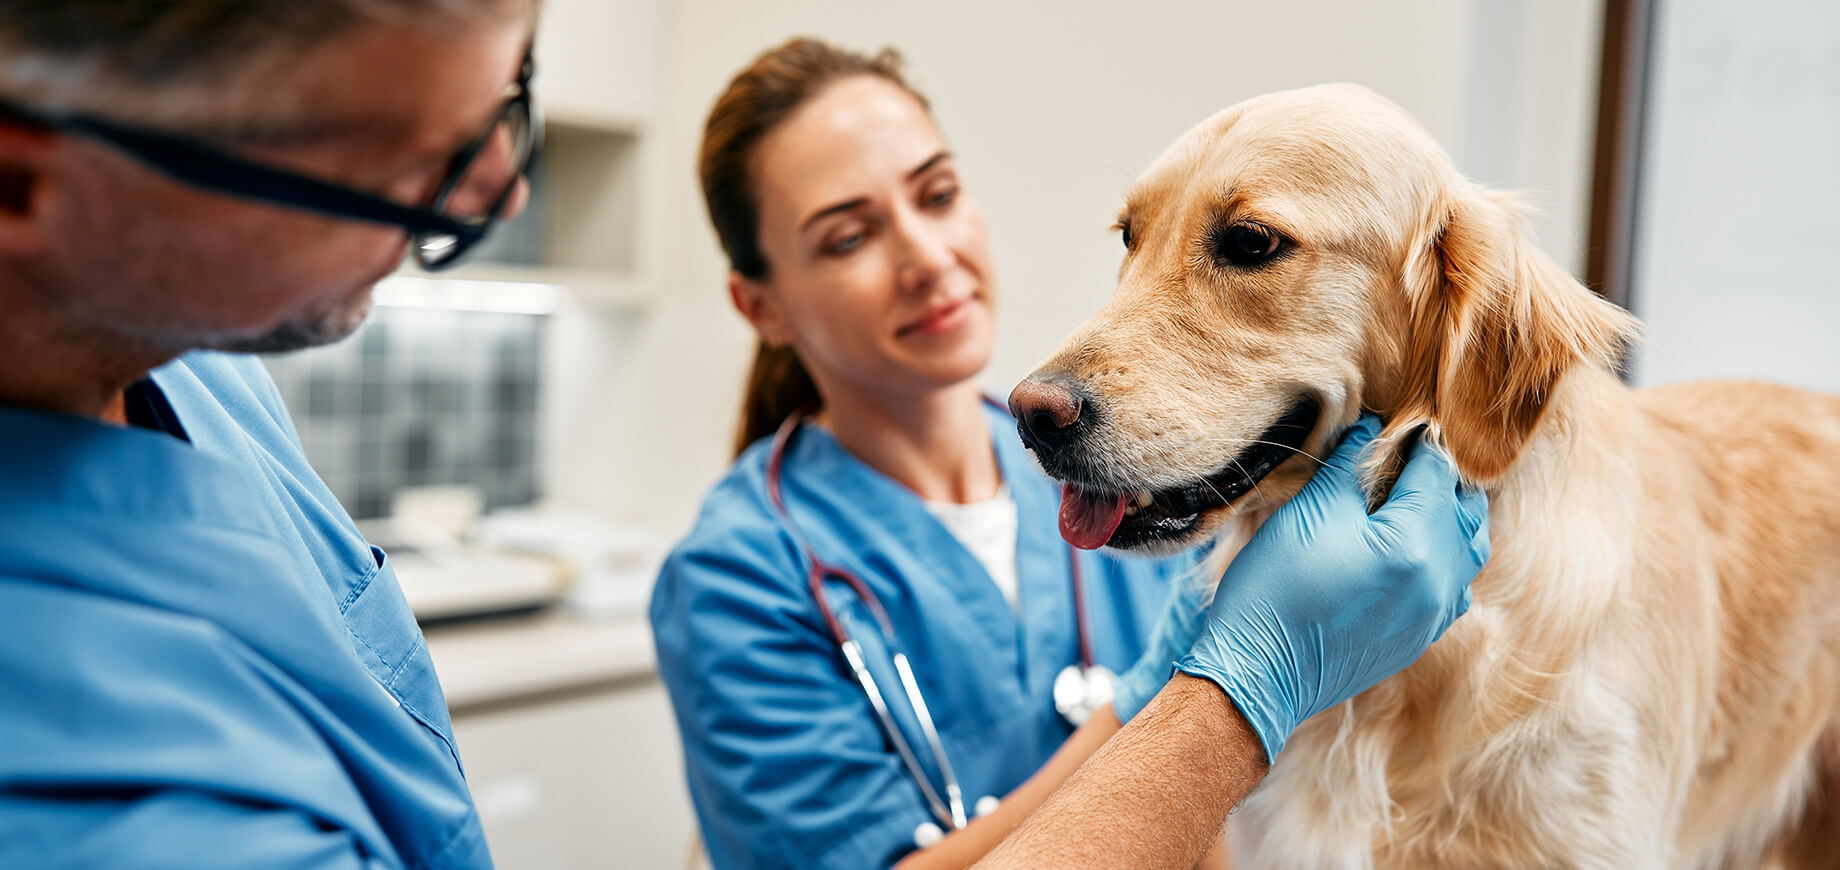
(1080, 690)
(927, 833)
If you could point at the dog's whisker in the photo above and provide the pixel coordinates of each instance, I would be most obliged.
(1235, 509)
(1255, 483)
(1297, 450)
(1222, 496)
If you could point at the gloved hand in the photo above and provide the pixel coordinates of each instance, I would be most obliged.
(1325, 601)
(1174, 634)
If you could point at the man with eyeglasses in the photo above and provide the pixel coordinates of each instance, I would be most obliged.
(202, 663)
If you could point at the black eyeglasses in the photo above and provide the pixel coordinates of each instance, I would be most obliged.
(439, 234)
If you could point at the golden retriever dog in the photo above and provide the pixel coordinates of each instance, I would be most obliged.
(1650, 673)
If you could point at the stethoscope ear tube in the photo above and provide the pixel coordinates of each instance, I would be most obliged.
(953, 816)
(950, 810)
(954, 796)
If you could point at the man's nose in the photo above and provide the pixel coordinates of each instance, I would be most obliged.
(493, 170)
(1049, 416)
(516, 200)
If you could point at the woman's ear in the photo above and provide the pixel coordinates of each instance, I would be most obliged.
(1495, 324)
(757, 303)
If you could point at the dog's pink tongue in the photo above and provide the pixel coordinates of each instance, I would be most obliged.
(1088, 518)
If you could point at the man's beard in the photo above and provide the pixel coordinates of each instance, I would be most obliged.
(324, 328)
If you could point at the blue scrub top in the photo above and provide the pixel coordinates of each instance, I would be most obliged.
(786, 763)
(202, 663)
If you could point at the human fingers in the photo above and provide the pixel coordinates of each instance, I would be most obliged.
(1427, 483)
(1347, 454)
(1473, 509)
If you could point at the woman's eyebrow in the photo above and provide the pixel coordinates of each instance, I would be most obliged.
(846, 205)
(929, 164)
(859, 202)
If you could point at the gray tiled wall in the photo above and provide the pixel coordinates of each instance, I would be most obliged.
(421, 397)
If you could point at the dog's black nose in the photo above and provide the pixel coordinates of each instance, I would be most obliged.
(1048, 416)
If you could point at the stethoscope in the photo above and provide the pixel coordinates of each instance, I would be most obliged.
(1079, 690)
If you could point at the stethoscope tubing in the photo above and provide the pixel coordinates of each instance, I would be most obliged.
(949, 809)
(952, 813)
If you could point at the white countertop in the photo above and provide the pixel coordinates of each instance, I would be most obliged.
(501, 660)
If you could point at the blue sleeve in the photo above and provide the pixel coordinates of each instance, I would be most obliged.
(107, 761)
(1134, 602)
(180, 829)
(786, 765)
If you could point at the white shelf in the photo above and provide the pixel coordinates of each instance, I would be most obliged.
(598, 58)
(519, 289)
(587, 117)
(492, 661)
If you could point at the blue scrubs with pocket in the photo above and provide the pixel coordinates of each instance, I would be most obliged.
(202, 663)
(786, 763)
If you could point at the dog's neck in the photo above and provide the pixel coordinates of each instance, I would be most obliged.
(1556, 519)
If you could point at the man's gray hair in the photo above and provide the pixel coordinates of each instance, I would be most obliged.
(56, 48)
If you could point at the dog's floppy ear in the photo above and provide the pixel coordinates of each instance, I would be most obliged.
(1495, 323)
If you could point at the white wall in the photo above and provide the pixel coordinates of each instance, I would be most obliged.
(1737, 214)
(1052, 109)
(1530, 111)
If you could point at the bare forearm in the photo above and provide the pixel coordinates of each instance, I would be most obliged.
(1156, 795)
(961, 848)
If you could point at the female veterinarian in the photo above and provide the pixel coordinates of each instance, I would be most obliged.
(864, 266)
(874, 632)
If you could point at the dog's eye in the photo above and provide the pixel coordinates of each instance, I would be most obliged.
(1124, 232)
(1246, 244)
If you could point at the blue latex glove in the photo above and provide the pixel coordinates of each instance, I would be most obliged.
(1174, 634)
(1325, 601)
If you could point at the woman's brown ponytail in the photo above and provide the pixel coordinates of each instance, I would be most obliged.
(777, 387)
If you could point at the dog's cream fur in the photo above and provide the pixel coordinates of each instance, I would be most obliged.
(1650, 673)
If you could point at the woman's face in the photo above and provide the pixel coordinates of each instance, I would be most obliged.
(879, 268)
